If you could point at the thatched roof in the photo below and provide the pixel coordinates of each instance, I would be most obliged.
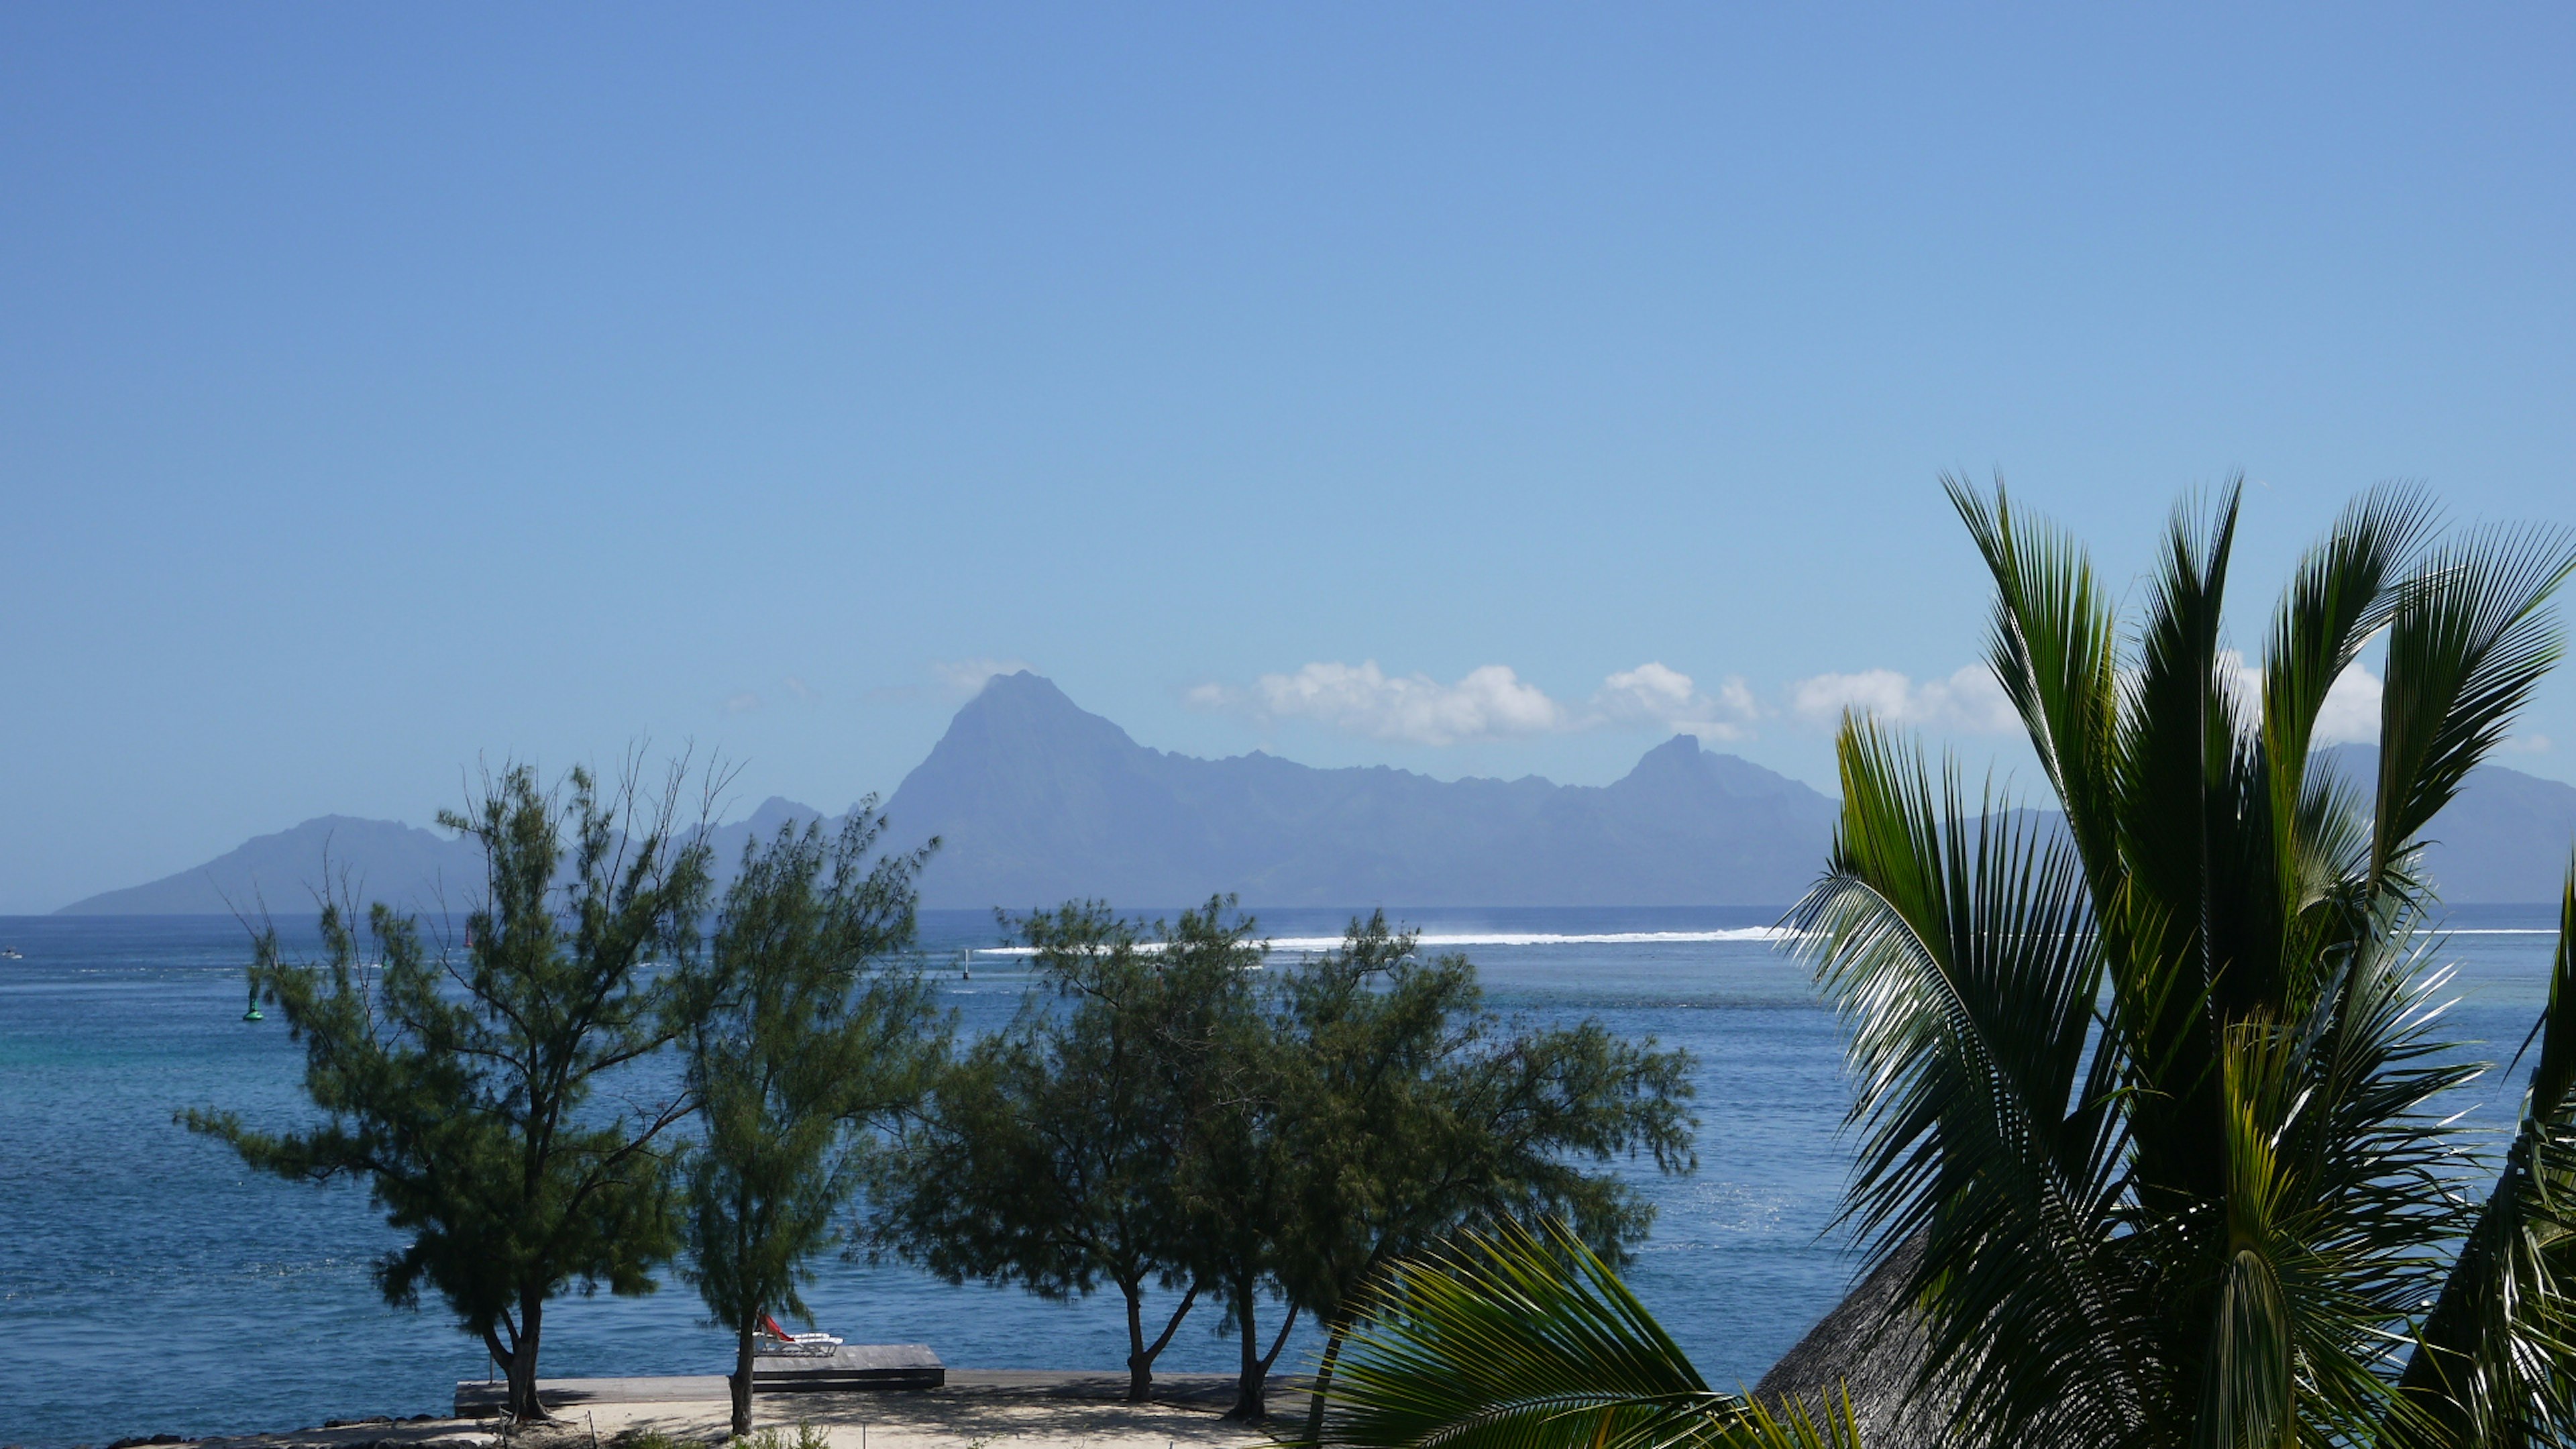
(1872, 1345)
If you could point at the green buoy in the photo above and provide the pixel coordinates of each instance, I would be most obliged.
(253, 1013)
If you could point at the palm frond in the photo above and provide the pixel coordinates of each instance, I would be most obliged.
(2495, 1362)
(1516, 1339)
(2179, 733)
(2343, 593)
(2055, 651)
(2468, 640)
(1959, 949)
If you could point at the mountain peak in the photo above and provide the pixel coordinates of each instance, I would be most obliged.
(1027, 709)
(1681, 752)
(1024, 687)
(778, 810)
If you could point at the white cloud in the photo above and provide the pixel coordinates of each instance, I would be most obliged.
(1968, 702)
(796, 686)
(964, 678)
(1363, 699)
(2525, 744)
(1492, 702)
(2349, 714)
(1971, 702)
(743, 703)
(1652, 694)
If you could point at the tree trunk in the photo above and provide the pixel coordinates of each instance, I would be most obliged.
(1140, 1372)
(1252, 1389)
(1140, 1354)
(742, 1384)
(1251, 1403)
(1324, 1377)
(524, 1404)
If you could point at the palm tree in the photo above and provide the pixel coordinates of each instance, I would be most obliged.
(2146, 1090)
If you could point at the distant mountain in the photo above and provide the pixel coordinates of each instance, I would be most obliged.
(403, 865)
(1037, 801)
(427, 872)
(2504, 840)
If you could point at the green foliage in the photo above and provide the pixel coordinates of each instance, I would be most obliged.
(807, 1437)
(799, 1030)
(1517, 1339)
(1407, 1109)
(1047, 1155)
(465, 1092)
(1225, 1172)
(2499, 1348)
(2154, 1093)
(2151, 1093)
(642, 1438)
(1174, 1112)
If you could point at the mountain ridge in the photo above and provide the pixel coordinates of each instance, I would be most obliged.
(1037, 801)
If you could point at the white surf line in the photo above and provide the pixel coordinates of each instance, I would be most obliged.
(1279, 944)
(1495, 938)
(2489, 931)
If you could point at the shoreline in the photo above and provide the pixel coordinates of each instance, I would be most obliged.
(1039, 1408)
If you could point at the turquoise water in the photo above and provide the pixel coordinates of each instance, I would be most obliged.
(148, 1284)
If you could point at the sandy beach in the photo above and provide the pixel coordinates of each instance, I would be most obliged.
(1037, 1409)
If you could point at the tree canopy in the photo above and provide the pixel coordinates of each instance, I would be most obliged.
(804, 1031)
(1408, 1110)
(1176, 1111)
(463, 1087)
(1048, 1155)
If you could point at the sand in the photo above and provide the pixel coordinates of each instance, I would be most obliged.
(1015, 1408)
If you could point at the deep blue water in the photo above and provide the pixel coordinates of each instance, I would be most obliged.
(149, 1284)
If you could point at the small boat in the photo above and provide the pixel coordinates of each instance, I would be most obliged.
(773, 1339)
(11, 953)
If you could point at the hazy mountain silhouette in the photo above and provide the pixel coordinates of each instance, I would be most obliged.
(2505, 839)
(425, 872)
(1037, 801)
(405, 866)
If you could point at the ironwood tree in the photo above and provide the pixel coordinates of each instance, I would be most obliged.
(1406, 1108)
(1046, 1155)
(806, 1032)
(464, 1087)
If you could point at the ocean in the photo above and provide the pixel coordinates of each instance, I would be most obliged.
(149, 1284)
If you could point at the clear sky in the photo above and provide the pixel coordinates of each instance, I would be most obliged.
(386, 387)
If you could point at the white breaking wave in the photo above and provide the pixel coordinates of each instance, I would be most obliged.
(2493, 931)
(1497, 938)
(1621, 938)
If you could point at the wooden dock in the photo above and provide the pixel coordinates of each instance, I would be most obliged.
(862, 1366)
(851, 1368)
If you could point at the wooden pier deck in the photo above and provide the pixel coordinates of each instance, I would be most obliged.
(480, 1398)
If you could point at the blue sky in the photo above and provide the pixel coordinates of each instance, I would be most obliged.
(383, 388)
